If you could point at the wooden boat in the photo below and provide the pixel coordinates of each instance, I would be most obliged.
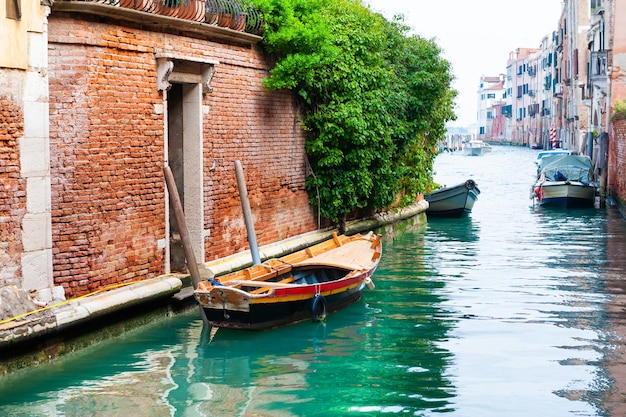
(453, 201)
(303, 285)
(564, 181)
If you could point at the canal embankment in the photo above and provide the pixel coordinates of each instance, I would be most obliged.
(34, 334)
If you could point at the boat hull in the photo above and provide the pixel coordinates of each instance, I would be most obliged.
(305, 285)
(564, 194)
(453, 201)
(473, 150)
(564, 180)
(476, 147)
(289, 310)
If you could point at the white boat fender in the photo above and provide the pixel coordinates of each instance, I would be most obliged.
(318, 308)
(370, 284)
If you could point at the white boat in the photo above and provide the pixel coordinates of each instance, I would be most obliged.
(564, 181)
(452, 201)
(475, 147)
(551, 152)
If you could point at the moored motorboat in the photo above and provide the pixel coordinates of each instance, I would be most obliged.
(564, 181)
(300, 286)
(475, 147)
(453, 201)
(551, 152)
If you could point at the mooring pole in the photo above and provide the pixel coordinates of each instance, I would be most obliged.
(247, 213)
(184, 232)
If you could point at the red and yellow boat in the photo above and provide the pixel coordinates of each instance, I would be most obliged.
(303, 285)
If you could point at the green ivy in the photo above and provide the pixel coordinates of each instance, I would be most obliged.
(619, 110)
(374, 99)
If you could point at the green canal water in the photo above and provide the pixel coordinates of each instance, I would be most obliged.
(512, 311)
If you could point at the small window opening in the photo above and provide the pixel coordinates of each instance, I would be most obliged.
(14, 9)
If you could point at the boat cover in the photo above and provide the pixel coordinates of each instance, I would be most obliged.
(566, 168)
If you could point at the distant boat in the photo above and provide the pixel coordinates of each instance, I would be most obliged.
(564, 181)
(304, 285)
(476, 147)
(453, 201)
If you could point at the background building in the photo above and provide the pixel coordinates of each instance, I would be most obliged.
(491, 93)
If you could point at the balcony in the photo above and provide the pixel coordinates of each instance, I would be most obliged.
(233, 20)
(598, 63)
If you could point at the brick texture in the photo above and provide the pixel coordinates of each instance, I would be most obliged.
(107, 152)
(617, 160)
(12, 191)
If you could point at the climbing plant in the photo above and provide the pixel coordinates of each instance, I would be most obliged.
(619, 110)
(374, 99)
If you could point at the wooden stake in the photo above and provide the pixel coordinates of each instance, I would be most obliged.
(179, 214)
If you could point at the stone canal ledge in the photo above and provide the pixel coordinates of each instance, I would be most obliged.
(31, 335)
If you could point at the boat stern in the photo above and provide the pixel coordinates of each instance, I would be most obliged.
(223, 298)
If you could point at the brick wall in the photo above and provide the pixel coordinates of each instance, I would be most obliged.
(107, 152)
(12, 191)
(617, 160)
(260, 130)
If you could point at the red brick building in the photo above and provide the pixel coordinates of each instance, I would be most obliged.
(130, 92)
(616, 163)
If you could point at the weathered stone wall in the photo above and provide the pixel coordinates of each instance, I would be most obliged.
(617, 161)
(107, 152)
(12, 188)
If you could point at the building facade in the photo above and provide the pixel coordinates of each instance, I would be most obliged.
(565, 93)
(25, 184)
(613, 173)
(491, 95)
(105, 98)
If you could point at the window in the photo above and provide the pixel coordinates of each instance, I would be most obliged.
(548, 82)
(491, 95)
(601, 46)
(14, 9)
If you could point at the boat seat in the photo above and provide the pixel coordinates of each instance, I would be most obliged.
(266, 286)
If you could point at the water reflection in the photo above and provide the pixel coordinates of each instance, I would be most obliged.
(612, 397)
(513, 311)
(463, 229)
(530, 305)
(311, 369)
(409, 315)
